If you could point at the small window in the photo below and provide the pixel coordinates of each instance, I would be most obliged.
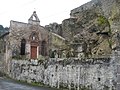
(98, 79)
(23, 44)
(33, 36)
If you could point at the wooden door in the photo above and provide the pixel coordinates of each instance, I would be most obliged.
(33, 52)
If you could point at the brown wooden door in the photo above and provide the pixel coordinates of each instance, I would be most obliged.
(33, 52)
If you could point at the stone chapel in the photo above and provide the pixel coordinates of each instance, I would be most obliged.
(28, 39)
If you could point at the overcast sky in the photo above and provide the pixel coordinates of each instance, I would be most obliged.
(48, 11)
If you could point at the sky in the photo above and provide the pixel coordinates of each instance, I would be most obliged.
(48, 11)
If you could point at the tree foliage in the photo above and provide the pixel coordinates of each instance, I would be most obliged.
(3, 30)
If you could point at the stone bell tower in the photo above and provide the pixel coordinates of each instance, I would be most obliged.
(34, 20)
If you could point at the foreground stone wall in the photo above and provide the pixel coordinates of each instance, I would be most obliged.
(95, 74)
(1, 62)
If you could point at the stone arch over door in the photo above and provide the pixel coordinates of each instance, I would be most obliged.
(34, 45)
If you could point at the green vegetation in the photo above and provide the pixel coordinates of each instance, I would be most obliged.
(102, 21)
(41, 58)
(65, 87)
(83, 88)
(26, 83)
(19, 57)
(37, 84)
(110, 43)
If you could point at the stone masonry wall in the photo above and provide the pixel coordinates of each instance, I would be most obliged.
(95, 74)
(1, 63)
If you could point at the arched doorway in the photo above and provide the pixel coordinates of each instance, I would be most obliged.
(34, 46)
(33, 52)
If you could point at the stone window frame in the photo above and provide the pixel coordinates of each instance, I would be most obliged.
(44, 48)
(23, 47)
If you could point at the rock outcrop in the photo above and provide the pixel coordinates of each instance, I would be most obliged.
(55, 28)
(95, 25)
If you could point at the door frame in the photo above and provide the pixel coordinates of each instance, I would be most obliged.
(33, 50)
(34, 44)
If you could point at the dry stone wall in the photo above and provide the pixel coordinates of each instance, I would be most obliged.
(1, 63)
(95, 74)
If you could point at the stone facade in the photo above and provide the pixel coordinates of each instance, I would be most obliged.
(31, 40)
(33, 36)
